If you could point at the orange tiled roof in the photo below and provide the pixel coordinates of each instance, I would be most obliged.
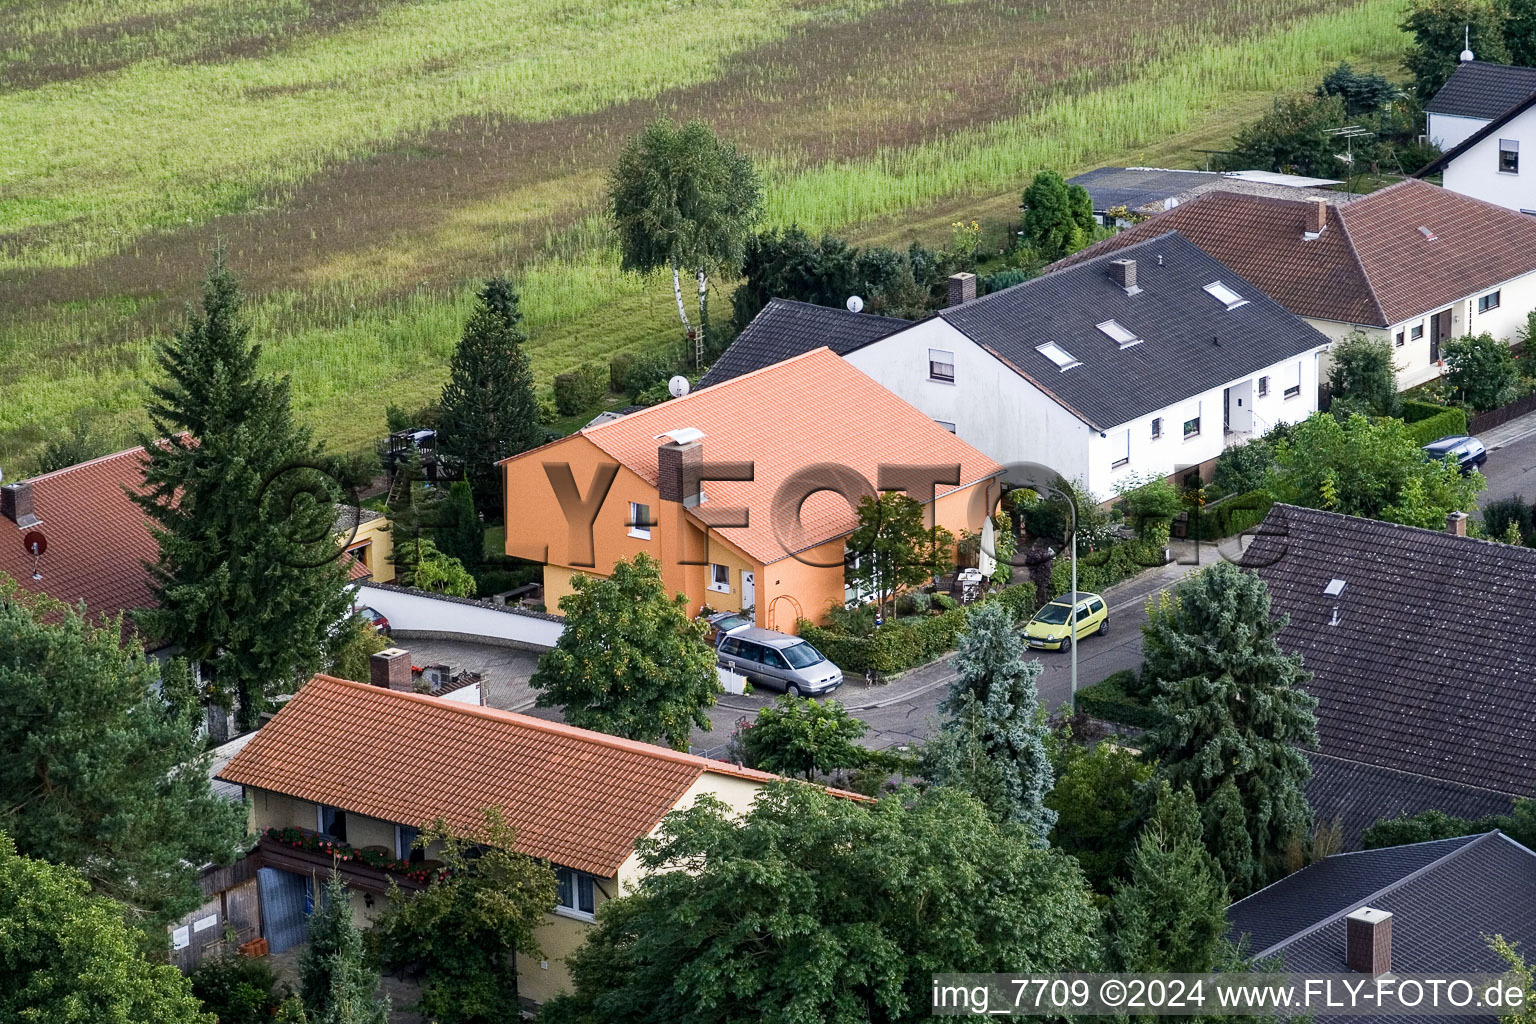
(575, 797)
(814, 408)
(98, 539)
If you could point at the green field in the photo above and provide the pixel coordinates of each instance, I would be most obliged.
(364, 162)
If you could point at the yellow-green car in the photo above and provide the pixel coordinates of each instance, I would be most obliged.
(1049, 627)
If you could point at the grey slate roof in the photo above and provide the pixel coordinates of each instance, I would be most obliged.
(1359, 795)
(1172, 314)
(1331, 887)
(1431, 668)
(785, 328)
(1444, 897)
(1482, 90)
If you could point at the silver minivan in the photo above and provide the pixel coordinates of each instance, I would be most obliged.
(778, 661)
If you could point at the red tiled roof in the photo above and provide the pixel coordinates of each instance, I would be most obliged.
(812, 409)
(575, 797)
(1372, 265)
(98, 539)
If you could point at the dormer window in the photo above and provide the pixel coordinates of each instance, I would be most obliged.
(1224, 295)
(1063, 359)
(1122, 335)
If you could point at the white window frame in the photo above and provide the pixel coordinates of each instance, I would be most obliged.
(1509, 146)
(1294, 390)
(1225, 295)
(636, 531)
(1060, 357)
(1119, 333)
(937, 359)
(1416, 331)
(1264, 386)
(573, 909)
(1157, 427)
(1124, 460)
(1195, 419)
(716, 570)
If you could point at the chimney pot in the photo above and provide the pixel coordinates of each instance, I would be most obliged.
(1456, 524)
(1368, 941)
(962, 288)
(679, 468)
(16, 504)
(1317, 217)
(391, 669)
(1123, 273)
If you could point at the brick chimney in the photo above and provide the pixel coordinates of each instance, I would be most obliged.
(391, 669)
(1123, 273)
(1368, 941)
(16, 504)
(1456, 524)
(1317, 218)
(962, 288)
(678, 471)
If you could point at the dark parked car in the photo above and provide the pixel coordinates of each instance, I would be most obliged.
(1468, 451)
(778, 661)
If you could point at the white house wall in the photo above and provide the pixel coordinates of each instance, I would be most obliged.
(992, 407)
(1476, 172)
(1173, 453)
(1448, 130)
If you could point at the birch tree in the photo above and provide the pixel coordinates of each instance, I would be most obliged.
(684, 201)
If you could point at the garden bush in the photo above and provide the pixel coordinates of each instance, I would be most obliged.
(237, 989)
(1231, 516)
(1499, 515)
(1413, 412)
(649, 369)
(1111, 701)
(580, 390)
(1098, 570)
(1442, 424)
(618, 372)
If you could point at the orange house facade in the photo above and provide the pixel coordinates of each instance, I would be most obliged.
(744, 491)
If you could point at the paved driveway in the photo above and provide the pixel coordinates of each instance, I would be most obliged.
(1511, 465)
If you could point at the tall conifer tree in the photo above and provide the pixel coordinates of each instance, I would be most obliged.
(243, 505)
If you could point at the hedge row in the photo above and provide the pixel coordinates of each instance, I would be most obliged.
(1413, 412)
(1110, 701)
(581, 390)
(1231, 516)
(1441, 424)
(903, 643)
(1099, 570)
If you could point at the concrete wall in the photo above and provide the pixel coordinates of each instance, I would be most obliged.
(412, 611)
(1476, 172)
(1448, 131)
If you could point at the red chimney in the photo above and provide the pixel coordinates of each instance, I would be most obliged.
(1317, 217)
(391, 669)
(1368, 941)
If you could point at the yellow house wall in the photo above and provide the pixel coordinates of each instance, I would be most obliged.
(722, 553)
(559, 936)
(381, 549)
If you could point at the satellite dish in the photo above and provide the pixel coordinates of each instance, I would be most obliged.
(855, 304)
(35, 544)
(678, 386)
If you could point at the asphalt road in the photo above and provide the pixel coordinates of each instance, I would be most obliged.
(902, 711)
(1511, 465)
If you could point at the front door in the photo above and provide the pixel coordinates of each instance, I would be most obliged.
(748, 590)
(1439, 330)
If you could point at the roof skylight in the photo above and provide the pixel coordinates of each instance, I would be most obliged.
(1334, 588)
(1120, 333)
(1224, 295)
(1063, 359)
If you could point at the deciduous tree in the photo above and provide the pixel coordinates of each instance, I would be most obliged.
(96, 771)
(1362, 368)
(803, 736)
(67, 957)
(1098, 809)
(1058, 218)
(1170, 914)
(1291, 138)
(1440, 29)
(683, 200)
(894, 548)
(630, 661)
(242, 504)
(994, 699)
(815, 908)
(489, 410)
(1236, 719)
(462, 933)
(1482, 370)
(337, 982)
(1370, 468)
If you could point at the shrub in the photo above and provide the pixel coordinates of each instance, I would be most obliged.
(1150, 508)
(1413, 412)
(618, 372)
(237, 989)
(649, 369)
(1002, 279)
(1482, 370)
(1111, 701)
(1232, 515)
(1101, 569)
(1443, 423)
(1500, 515)
(580, 390)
